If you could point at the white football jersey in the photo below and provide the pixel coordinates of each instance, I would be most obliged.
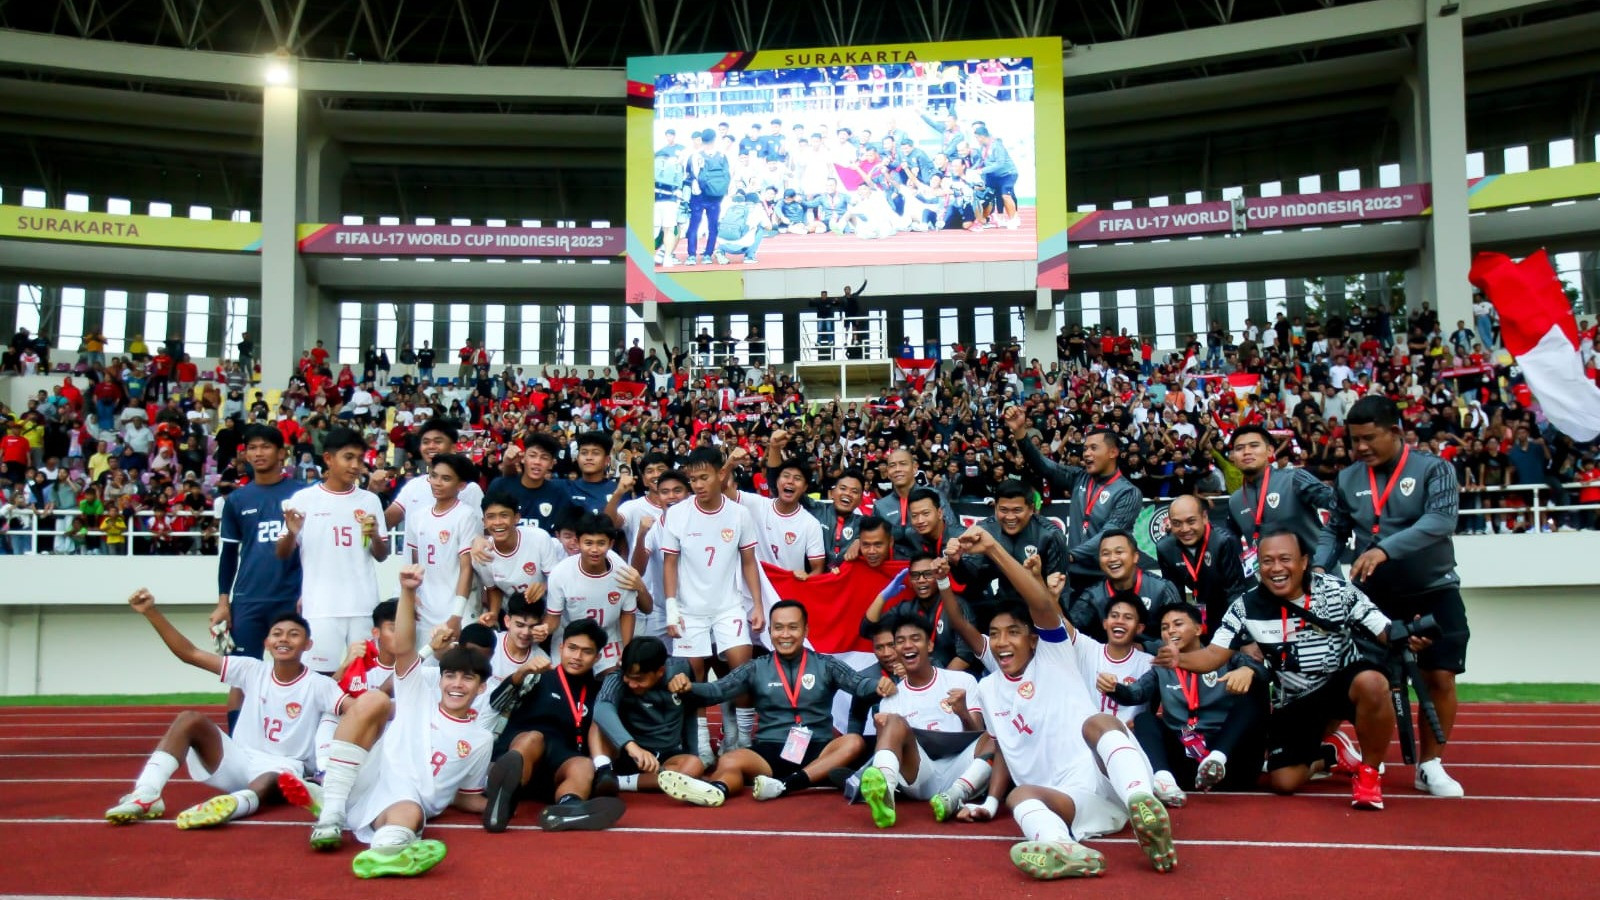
(503, 663)
(437, 541)
(928, 707)
(338, 574)
(575, 594)
(633, 514)
(280, 718)
(415, 496)
(787, 541)
(530, 560)
(653, 623)
(1037, 719)
(708, 546)
(1095, 657)
(443, 755)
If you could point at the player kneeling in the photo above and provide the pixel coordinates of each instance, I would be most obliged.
(643, 724)
(387, 778)
(283, 701)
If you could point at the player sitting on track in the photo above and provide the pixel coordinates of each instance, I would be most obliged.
(1043, 717)
(642, 723)
(792, 705)
(389, 778)
(927, 739)
(1305, 624)
(544, 750)
(1195, 723)
(282, 703)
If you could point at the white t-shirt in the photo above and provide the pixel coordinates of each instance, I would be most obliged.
(1095, 657)
(787, 541)
(338, 575)
(708, 546)
(438, 541)
(927, 707)
(534, 555)
(277, 717)
(575, 594)
(416, 495)
(1037, 718)
(441, 754)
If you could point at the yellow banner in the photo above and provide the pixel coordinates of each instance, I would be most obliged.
(129, 231)
(1537, 186)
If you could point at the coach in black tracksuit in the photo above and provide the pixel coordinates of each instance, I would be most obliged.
(1200, 558)
(1273, 499)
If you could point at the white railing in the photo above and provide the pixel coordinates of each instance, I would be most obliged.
(24, 540)
(838, 338)
(1541, 510)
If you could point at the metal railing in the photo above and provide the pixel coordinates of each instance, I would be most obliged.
(26, 540)
(840, 338)
(1542, 512)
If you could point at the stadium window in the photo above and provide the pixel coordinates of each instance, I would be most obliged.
(387, 329)
(354, 220)
(1089, 308)
(69, 330)
(1229, 193)
(1238, 305)
(114, 321)
(77, 203)
(1122, 204)
(1194, 197)
(202, 213)
(241, 215)
(29, 298)
(460, 327)
(1516, 159)
(1350, 180)
(236, 323)
(633, 328)
(949, 327)
(160, 210)
(1086, 207)
(1128, 310)
(1310, 184)
(530, 334)
(1563, 152)
(196, 320)
(422, 325)
(349, 334)
(983, 327)
(600, 223)
(567, 329)
(425, 220)
(599, 335)
(1277, 298)
(912, 331)
(458, 222)
(118, 206)
(808, 337)
(773, 332)
(155, 318)
(388, 220)
(1160, 201)
(1389, 175)
(1166, 321)
(33, 197)
(1475, 164)
(494, 333)
(1272, 189)
(495, 223)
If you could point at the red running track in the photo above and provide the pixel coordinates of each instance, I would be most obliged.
(1523, 832)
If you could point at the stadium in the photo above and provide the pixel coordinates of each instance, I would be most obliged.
(1066, 302)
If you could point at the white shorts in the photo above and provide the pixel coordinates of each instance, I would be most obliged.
(331, 636)
(935, 775)
(239, 766)
(1098, 810)
(666, 214)
(723, 631)
(379, 785)
(651, 624)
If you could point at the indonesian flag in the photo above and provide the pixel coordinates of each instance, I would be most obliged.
(1537, 326)
(1244, 384)
(1190, 362)
(834, 602)
(626, 393)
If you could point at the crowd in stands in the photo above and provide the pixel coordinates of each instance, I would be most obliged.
(143, 442)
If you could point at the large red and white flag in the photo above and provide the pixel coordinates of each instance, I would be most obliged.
(1537, 326)
(1244, 384)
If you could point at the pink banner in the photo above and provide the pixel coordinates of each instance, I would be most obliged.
(1127, 224)
(462, 240)
(1337, 207)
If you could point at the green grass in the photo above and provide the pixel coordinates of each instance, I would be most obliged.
(1470, 693)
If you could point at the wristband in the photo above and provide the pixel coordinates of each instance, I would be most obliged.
(991, 805)
(458, 606)
(426, 653)
(672, 611)
(943, 583)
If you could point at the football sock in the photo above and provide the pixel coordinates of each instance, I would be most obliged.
(392, 837)
(703, 733)
(627, 782)
(248, 803)
(974, 777)
(601, 761)
(1039, 823)
(1126, 765)
(344, 763)
(747, 725)
(568, 800)
(157, 771)
(889, 763)
(721, 786)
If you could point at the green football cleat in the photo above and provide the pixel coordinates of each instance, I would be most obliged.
(408, 861)
(945, 806)
(210, 813)
(1051, 860)
(879, 796)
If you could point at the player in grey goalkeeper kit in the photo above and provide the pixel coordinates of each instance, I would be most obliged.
(792, 691)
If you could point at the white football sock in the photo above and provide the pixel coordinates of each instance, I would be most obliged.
(1219, 756)
(601, 761)
(1126, 765)
(248, 804)
(157, 772)
(627, 782)
(747, 726)
(1039, 823)
(325, 729)
(344, 763)
(703, 734)
(889, 763)
(974, 777)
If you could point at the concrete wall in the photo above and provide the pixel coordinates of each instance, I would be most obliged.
(56, 612)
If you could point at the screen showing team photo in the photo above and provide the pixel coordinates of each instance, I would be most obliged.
(887, 164)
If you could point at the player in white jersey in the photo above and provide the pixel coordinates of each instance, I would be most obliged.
(632, 513)
(791, 538)
(434, 437)
(276, 732)
(1120, 657)
(439, 538)
(513, 560)
(340, 536)
(388, 778)
(517, 648)
(587, 586)
(671, 487)
(1040, 712)
(927, 739)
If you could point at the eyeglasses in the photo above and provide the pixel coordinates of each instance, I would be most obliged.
(923, 576)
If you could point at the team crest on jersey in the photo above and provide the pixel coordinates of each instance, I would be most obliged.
(1407, 485)
(808, 681)
(463, 749)
(613, 598)
(1030, 551)
(360, 514)
(1025, 690)
(544, 509)
(727, 534)
(444, 537)
(292, 710)
(529, 568)
(788, 537)
(1272, 500)
(1210, 679)
(848, 533)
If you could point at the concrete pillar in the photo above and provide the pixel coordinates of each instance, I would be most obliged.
(286, 298)
(1447, 247)
(1039, 335)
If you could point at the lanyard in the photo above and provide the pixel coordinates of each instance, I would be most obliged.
(1191, 694)
(1138, 587)
(1094, 494)
(838, 527)
(1372, 480)
(1199, 560)
(575, 707)
(1261, 500)
(904, 501)
(793, 693)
